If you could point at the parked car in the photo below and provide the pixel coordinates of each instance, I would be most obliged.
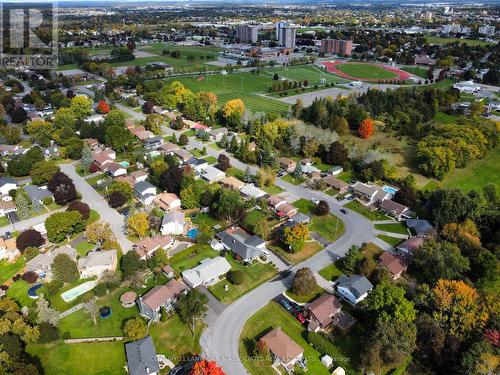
(344, 211)
(300, 318)
(315, 201)
(281, 174)
(285, 304)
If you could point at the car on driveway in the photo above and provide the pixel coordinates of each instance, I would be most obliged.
(300, 318)
(284, 302)
(315, 201)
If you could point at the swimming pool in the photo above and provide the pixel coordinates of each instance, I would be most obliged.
(32, 291)
(389, 189)
(124, 164)
(192, 233)
(77, 291)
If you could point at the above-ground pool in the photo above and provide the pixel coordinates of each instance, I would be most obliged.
(77, 291)
(389, 189)
(32, 291)
(192, 233)
(124, 164)
(105, 312)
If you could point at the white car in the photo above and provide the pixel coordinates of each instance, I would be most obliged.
(315, 201)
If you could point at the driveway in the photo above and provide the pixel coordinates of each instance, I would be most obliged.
(98, 203)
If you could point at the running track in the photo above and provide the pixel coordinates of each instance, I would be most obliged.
(331, 66)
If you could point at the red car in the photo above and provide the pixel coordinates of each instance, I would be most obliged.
(300, 318)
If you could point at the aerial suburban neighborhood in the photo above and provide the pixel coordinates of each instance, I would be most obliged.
(209, 188)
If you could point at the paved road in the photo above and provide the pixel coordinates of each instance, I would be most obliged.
(98, 203)
(28, 223)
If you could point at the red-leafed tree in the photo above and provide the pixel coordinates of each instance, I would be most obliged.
(366, 128)
(30, 277)
(493, 336)
(205, 367)
(82, 208)
(29, 238)
(63, 188)
(102, 107)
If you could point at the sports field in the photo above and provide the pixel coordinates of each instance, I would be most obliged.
(239, 85)
(443, 41)
(311, 73)
(365, 71)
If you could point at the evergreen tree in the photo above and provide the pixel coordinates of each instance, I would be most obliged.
(247, 177)
(223, 143)
(174, 138)
(87, 158)
(23, 204)
(298, 173)
(234, 146)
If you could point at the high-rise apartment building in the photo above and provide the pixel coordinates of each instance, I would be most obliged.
(247, 33)
(339, 47)
(287, 36)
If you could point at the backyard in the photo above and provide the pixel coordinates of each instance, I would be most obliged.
(362, 210)
(8, 270)
(191, 257)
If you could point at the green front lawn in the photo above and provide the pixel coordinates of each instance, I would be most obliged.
(4, 221)
(271, 190)
(191, 257)
(390, 240)
(310, 248)
(235, 172)
(399, 228)
(331, 272)
(308, 298)
(210, 160)
(106, 358)
(255, 275)
(292, 180)
(93, 217)
(329, 226)
(273, 316)
(84, 247)
(8, 270)
(93, 180)
(362, 210)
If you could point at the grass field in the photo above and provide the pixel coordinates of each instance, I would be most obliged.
(365, 71)
(390, 240)
(91, 359)
(329, 226)
(417, 71)
(7, 270)
(308, 298)
(208, 52)
(234, 86)
(362, 210)
(442, 41)
(444, 118)
(331, 272)
(191, 257)
(310, 73)
(393, 228)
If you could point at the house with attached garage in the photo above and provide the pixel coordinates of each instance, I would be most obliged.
(168, 148)
(394, 209)
(153, 143)
(395, 265)
(97, 262)
(183, 155)
(251, 191)
(7, 184)
(37, 194)
(353, 288)
(115, 169)
(8, 249)
(7, 205)
(244, 246)
(146, 247)
(167, 201)
(409, 246)
(42, 263)
(198, 165)
(173, 223)
(208, 272)
(336, 184)
(287, 164)
(145, 192)
(284, 350)
(369, 194)
(141, 357)
(420, 227)
(321, 312)
(217, 134)
(161, 296)
(212, 174)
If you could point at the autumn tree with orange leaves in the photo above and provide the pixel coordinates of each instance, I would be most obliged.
(102, 107)
(366, 128)
(458, 308)
(205, 367)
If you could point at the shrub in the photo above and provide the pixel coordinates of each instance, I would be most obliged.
(100, 289)
(304, 282)
(51, 288)
(30, 277)
(117, 199)
(66, 335)
(81, 207)
(30, 252)
(48, 333)
(47, 200)
(235, 277)
(322, 208)
(29, 238)
(322, 344)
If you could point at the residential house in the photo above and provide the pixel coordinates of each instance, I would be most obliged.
(182, 154)
(207, 273)
(395, 265)
(467, 87)
(287, 164)
(103, 158)
(165, 296)
(353, 288)
(6, 150)
(51, 152)
(168, 148)
(287, 210)
(369, 194)
(251, 191)
(8, 249)
(409, 246)
(153, 143)
(285, 351)
(232, 183)
(420, 227)
(7, 205)
(311, 171)
(96, 119)
(424, 59)
(335, 171)
(167, 201)
(394, 209)
(97, 262)
(7, 184)
(173, 222)
(140, 132)
(134, 177)
(37, 194)
(42, 263)
(212, 174)
(198, 165)
(217, 134)
(115, 169)
(275, 201)
(145, 192)
(146, 247)
(321, 312)
(244, 246)
(141, 357)
(92, 143)
(336, 184)
(300, 218)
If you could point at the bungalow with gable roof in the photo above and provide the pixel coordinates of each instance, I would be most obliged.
(321, 312)
(244, 246)
(115, 170)
(369, 194)
(217, 134)
(146, 247)
(208, 272)
(168, 148)
(167, 201)
(140, 132)
(153, 143)
(232, 183)
(285, 351)
(182, 154)
(97, 262)
(141, 357)
(212, 174)
(394, 209)
(395, 265)
(409, 246)
(336, 184)
(42, 263)
(353, 288)
(251, 191)
(161, 296)
(145, 192)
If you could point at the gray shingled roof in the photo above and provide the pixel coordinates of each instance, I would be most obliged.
(357, 284)
(141, 357)
(36, 193)
(420, 226)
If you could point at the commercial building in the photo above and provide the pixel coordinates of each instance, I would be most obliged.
(337, 46)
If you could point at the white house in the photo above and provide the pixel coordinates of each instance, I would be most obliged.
(97, 262)
(353, 288)
(145, 192)
(208, 272)
(212, 174)
(198, 165)
(468, 87)
(251, 191)
(116, 170)
(7, 184)
(173, 223)
(97, 119)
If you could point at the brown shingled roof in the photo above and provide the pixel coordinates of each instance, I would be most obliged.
(281, 345)
(324, 307)
(162, 293)
(393, 264)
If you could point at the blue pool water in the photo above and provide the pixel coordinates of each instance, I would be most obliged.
(32, 291)
(389, 189)
(124, 164)
(192, 233)
(77, 291)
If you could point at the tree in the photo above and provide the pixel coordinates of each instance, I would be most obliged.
(65, 118)
(102, 107)
(337, 154)
(223, 162)
(340, 125)
(388, 303)
(135, 329)
(117, 199)
(488, 363)
(298, 173)
(192, 306)
(183, 140)
(62, 188)
(99, 232)
(80, 207)
(138, 224)
(61, 225)
(18, 115)
(406, 196)
(431, 338)
(131, 263)
(233, 112)
(262, 228)
(64, 268)
(153, 123)
(159, 259)
(295, 236)
(349, 261)
(304, 282)
(190, 197)
(87, 158)
(23, 204)
(45, 314)
(11, 134)
(366, 128)
(171, 180)
(322, 208)
(310, 148)
(43, 171)
(235, 277)
(204, 367)
(91, 309)
(30, 277)
(81, 106)
(230, 205)
(122, 187)
(118, 137)
(436, 259)
(457, 308)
